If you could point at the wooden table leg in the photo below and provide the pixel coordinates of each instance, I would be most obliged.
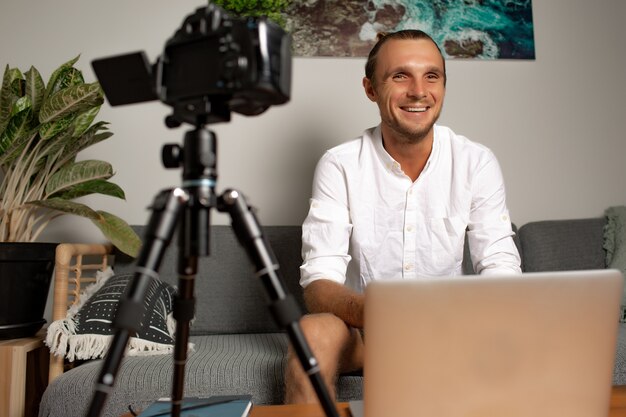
(22, 360)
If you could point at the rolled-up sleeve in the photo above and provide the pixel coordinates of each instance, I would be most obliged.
(490, 234)
(327, 228)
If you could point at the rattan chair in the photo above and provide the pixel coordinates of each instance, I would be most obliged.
(76, 266)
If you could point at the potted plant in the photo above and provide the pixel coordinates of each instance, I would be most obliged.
(273, 9)
(42, 129)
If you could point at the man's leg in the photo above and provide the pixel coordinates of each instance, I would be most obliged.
(337, 348)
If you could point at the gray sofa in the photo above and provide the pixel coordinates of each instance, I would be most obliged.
(238, 347)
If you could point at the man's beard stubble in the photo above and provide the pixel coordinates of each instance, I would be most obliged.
(412, 135)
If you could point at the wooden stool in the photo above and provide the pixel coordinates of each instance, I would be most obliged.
(23, 375)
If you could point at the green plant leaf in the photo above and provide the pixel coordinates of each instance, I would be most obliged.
(8, 97)
(35, 89)
(92, 187)
(17, 128)
(53, 82)
(84, 120)
(76, 98)
(71, 76)
(70, 207)
(95, 134)
(70, 146)
(273, 9)
(77, 173)
(50, 129)
(119, 233)
(16, 146)
(21, 104)
(60, 146)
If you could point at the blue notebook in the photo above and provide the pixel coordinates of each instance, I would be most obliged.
(216, 406)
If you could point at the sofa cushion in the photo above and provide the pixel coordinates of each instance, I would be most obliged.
(560, 245)
(230, 298)
(219, 365)
(86, 331)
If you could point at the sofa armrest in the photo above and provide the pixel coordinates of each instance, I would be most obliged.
(76, 265)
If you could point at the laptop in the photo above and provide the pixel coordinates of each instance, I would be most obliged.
(529, 345)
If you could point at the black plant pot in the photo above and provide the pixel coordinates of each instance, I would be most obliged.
(25, 275)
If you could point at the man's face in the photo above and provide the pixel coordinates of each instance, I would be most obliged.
(408, 88)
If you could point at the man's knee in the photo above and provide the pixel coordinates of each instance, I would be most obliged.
(325, 330)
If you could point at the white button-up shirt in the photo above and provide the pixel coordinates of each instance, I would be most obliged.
(368, 221)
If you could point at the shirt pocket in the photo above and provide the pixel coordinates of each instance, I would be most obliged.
(377, 243)
(447, 235)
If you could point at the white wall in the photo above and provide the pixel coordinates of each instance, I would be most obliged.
(555, 123)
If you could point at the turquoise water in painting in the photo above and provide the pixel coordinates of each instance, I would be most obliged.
(504, 28)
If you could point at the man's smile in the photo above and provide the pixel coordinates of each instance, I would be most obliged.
(415, 109)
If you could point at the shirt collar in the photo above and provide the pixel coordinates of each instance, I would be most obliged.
(391, 164)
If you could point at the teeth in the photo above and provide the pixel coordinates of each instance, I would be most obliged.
(416, 109)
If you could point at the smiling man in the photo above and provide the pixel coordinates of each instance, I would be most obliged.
(394, 203)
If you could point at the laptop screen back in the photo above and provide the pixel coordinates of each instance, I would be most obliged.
(531, 345)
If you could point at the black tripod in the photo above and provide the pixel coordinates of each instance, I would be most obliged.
(188, 207)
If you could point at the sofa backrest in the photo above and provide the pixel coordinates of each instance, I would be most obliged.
(560, 245)
(229, 297)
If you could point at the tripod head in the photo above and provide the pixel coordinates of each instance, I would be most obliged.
(198, 158)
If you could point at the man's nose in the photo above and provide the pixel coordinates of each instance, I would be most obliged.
(417, 88)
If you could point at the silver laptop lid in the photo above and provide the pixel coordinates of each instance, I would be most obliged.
(531, 345)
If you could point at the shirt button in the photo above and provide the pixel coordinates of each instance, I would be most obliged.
(409, 228)
(408, 267)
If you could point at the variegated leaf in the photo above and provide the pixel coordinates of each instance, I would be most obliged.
(35, 89)
(53, 82)
(76, 98)
(7, 95)
(77, 173)
(16, 147)
(70, 146)
(84, 120)
(70, 207)
(119, 233)
(50, 129)
(92, 136)
(21, 104)
(92, 187)
(16, 128)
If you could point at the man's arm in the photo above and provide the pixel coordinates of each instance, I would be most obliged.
(326, 296)
(490, 235)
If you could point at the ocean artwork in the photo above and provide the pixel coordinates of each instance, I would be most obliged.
(476, 29)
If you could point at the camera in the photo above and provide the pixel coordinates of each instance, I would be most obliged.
(214, 64)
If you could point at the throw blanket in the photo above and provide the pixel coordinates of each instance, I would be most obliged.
(615, 245)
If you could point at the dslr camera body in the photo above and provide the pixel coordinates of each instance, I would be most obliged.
(214, 64)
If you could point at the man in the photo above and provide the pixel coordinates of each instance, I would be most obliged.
(394, 204)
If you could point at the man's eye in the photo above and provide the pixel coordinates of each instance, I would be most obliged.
(398, 76)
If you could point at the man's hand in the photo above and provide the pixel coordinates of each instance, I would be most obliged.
(325, 296)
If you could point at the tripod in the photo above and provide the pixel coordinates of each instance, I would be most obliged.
(188, 208)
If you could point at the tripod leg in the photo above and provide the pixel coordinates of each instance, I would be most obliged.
(165, 214)
(193, 242)
(283, 306)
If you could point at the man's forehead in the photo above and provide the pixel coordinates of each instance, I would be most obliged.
(409, 47)
(402, 52)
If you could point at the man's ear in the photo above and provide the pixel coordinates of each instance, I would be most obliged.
(369, 89)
